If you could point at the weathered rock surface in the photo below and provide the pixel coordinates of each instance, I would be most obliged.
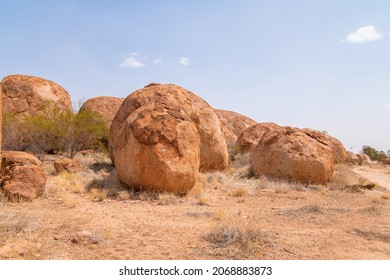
(352, 158)
(232, 125)
(106, 106)
(28, 95)
(364, 159)
(289, 153)
(338, 151)
(162, 135)
(23, 177)
(249, 138)
(67, 165)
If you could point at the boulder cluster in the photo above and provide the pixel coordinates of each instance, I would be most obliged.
(162, 135)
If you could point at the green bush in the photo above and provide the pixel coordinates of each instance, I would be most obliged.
(54, 131)
(12, 133)
(374, 154)
(88, 131)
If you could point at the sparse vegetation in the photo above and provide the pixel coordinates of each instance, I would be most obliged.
(89, 214)
(235, 240)
(54, 131)
(344, 178)
(238, 192)
(374, 154)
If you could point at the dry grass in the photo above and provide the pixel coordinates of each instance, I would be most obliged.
(89, 215)
(344, 178)
(240, 166)
(234, 239)
(123, 195)
(167, 198)
(238, 192)
(203, 200)
(98, 194)
(197, 189)
(219, 214)
(373, 210)
(20, 235)
(14, 222)
(385, 196)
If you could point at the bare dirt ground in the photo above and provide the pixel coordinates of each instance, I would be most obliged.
(379, 175)
(226, 216)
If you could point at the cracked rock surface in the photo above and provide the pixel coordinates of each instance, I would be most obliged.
(28, 95)
(162, 135)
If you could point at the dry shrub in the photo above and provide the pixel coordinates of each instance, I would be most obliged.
(98, 194)
(239, 165)
(240, 160)
(54, 130)
(234, 233)
(12, 133)
(223, 235)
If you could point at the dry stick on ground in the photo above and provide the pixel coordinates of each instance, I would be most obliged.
(291, 252)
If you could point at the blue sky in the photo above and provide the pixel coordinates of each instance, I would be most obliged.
(318, 64)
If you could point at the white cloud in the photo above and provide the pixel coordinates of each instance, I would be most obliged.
(364, 34)
(387, 106)
(184, 61)
(157, 61)
(131, 61)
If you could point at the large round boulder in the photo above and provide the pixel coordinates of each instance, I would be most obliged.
(352, 158)
(106, 106)
(289, 153)
(338, 151)
(249, 138)
(162, 135)
(22, 176)
(232, 125)
(28, 95)
(364, 159)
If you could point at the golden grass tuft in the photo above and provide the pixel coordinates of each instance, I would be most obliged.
(238, 192)
(167, 198)
(385, 196)
(124, 195)
(98, 194)
(219, 214)
(203, 201)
